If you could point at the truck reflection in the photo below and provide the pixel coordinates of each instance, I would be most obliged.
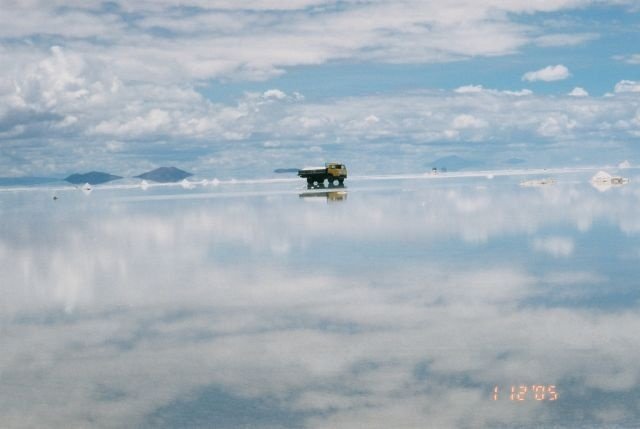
(331, 196)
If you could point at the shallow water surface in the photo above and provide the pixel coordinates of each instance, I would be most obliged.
(386, 304)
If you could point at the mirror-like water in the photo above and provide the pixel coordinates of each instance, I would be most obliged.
(401, 304)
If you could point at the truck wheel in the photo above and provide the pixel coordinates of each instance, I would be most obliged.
(333, 182)
(341, 182)
(309, 181)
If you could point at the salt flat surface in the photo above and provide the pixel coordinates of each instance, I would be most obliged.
(388, 303)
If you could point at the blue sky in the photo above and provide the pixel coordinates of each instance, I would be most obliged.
(231, 88)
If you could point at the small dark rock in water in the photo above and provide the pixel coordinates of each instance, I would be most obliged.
(165, 175)
(55, 198)
(93, 178)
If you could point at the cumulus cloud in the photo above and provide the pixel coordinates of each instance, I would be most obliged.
(547, 74)
(274, 93)
(578, 92)
(83, 108)
(71, 100)
(467, 121)
(469, 89)
(556, 125)
(627, 86)
(132, 72)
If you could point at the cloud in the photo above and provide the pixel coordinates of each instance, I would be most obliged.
(625, 86)
(578, 92)
(477, 89)
(547, 74)
(630, 59)
(467, 121)
(89, 73)
(274, 93)
(469, 89)
(158, 42)
(556, 125)
(519, 92)
(564, 39)
(555, 246)
(82, 109)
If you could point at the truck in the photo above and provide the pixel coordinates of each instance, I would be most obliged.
(334, 173)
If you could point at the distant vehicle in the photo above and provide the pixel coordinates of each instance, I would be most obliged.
(333, 172)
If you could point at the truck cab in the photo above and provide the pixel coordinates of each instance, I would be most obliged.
(336, 170)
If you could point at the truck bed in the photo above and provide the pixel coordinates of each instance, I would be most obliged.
(311, 171)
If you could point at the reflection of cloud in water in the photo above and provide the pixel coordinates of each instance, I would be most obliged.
(165, 306)
(212, 406)
(555, 246)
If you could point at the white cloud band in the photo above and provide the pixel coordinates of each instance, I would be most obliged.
(547, 74)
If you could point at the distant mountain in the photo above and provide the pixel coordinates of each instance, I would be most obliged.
(286, 170)
(165, 175)
(92, 178)
(453, 163)
(25, 181)
(514, 161)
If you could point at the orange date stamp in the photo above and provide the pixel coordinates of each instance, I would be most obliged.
(523, 392)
